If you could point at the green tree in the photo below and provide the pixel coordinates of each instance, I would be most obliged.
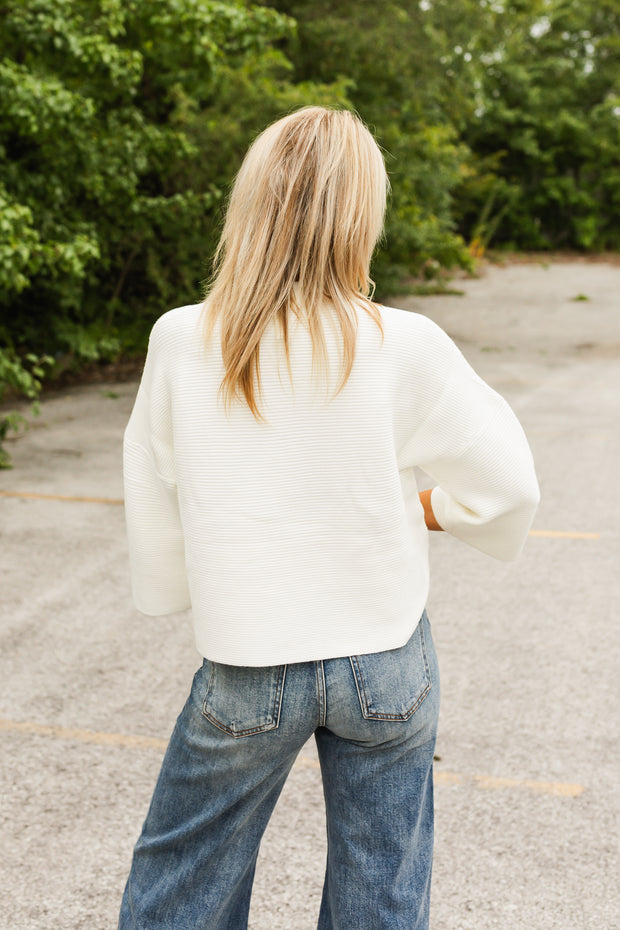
(545, 125)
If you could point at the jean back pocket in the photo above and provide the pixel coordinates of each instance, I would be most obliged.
(243, 701)
(391, 685)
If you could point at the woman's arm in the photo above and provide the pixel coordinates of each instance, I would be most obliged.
(471, 444)
(429, 516)
(154, 530)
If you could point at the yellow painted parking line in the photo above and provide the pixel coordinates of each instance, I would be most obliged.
(28, 495)
(493, 783)
(442, 778)
(83, 736)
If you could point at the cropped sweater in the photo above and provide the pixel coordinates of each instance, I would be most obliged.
(302, 537)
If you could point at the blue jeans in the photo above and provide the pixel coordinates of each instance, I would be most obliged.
(374, 718)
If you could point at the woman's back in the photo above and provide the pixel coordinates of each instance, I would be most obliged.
(301, 534)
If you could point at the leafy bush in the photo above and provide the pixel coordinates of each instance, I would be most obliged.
(544, 78)
(21, 377)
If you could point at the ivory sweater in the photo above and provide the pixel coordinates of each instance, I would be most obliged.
(303, 537)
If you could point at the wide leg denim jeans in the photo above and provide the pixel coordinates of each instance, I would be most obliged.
(374, 718)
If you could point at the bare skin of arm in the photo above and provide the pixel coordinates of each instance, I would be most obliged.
(429, 516)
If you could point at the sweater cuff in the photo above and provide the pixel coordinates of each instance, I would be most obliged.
(501, 536)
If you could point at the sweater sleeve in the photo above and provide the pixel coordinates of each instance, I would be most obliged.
(487, 496)
(154, 530)
(472, 444)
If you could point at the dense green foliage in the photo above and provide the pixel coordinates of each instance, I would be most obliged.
(544, 128)
(122, 123)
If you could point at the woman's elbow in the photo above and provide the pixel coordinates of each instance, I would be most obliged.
(516, 522)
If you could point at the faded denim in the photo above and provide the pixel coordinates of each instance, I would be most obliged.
(374, 718)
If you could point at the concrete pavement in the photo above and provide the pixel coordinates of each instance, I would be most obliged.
(528, 771)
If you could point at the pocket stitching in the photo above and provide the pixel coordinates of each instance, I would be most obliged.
(248, 731)
(363, 698)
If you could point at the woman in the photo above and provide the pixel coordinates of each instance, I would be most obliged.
(270, 486)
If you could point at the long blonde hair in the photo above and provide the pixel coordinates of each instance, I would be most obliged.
(304, 216)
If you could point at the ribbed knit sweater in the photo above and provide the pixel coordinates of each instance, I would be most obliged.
(302, 537)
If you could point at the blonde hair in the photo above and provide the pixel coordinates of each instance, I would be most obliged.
(304, 216)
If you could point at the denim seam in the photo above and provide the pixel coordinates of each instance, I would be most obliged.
(321, 691)
(359, 684)
(278, 697)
